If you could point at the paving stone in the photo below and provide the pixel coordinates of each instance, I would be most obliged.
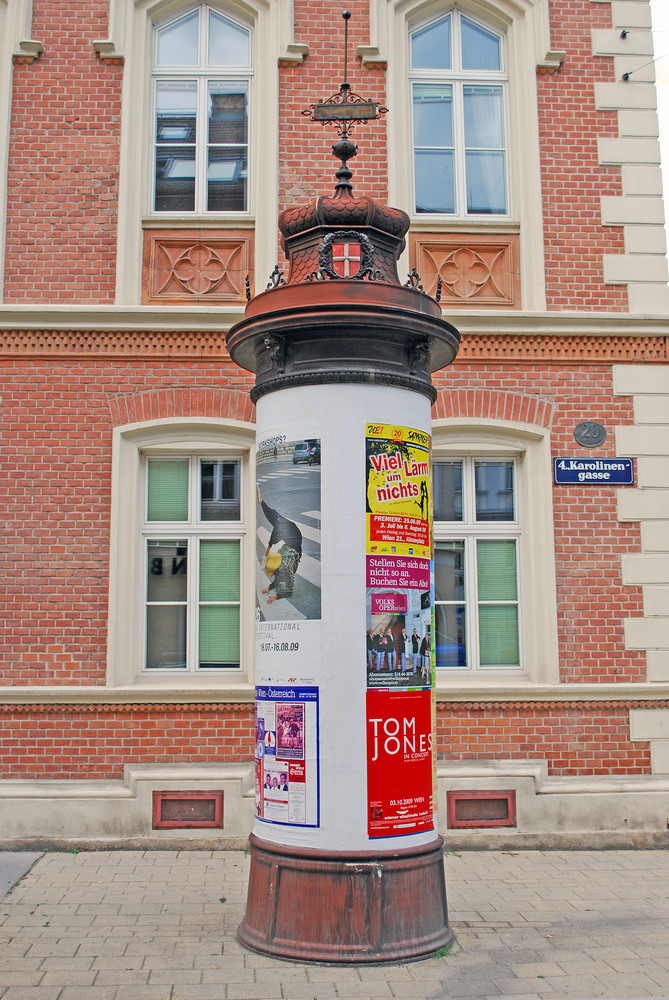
(533, 970)
(175, 977)
(118, 977)
(32, 993)
(23, 977)
(246, 991)
(137, 992)
(428, 988)
(293, 990)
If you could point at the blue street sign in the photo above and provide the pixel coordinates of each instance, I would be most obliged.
(593, 471)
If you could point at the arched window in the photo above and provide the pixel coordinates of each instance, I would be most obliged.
(201, 86)
(458, 85)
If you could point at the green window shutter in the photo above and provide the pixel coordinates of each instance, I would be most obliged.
(219, 636)
(219, 570)
(219, 624)
(498, 635)
(168, 490)
(496, 563)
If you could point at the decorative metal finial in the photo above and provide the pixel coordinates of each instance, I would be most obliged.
(344, 110)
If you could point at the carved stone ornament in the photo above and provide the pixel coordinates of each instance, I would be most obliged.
(325, 263)
(470, 269)
(419, 355)
(277, 352)
(183, 266)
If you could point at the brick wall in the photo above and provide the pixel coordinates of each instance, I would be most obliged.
(589, 540)
(56, 423)
(63, 158)
(572, 180)
(63, 162)
(572, 739)
(96, 742)
(307, 166)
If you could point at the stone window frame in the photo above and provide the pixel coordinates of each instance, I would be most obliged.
(530, 448)
(130, 41)
(525, 26)
(171, 437)
(457, 78)
(202, 74)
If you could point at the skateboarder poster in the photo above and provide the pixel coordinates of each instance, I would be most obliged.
(288, 557)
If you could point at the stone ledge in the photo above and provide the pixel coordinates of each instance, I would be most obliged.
(448, 690)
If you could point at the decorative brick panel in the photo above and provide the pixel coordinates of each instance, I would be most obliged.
(475, 269)
(187, 810)
(471, 809)
(186, 266)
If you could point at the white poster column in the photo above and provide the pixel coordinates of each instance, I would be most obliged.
(347, 864)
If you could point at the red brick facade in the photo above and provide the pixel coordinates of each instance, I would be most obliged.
(66, 388)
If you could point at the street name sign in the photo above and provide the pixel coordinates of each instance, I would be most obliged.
(593, 471)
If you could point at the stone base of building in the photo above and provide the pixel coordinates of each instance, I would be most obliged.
(341, 907)
(544, 812)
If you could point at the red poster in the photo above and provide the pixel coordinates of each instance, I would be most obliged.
(399, 762)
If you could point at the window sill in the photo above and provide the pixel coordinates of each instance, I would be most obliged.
(191, 220)
(449, 224)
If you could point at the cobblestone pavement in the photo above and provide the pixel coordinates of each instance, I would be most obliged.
(160, 925)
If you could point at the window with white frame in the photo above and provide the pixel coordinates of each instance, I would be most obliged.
(192, 540)
(477, 559)
(202, 69)
(458, 83)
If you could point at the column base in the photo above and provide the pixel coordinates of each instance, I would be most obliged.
(342, 907)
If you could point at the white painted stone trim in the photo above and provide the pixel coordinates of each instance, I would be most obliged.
(20, 29)
(460, 690)
(484, 321)
(643, 266)
(653, 725)
(123, 808)
(647, 440)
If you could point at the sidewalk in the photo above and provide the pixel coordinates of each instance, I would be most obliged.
(134, 925)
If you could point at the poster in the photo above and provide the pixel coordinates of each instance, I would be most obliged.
(399, 763)
(398, 557)
(287, 755)
(398, 621)
(288, 558)
(401, 766)
(399, 502)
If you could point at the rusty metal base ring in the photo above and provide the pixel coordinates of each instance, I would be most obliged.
(338, 907)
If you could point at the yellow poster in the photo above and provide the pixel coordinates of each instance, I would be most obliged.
(399, 501)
